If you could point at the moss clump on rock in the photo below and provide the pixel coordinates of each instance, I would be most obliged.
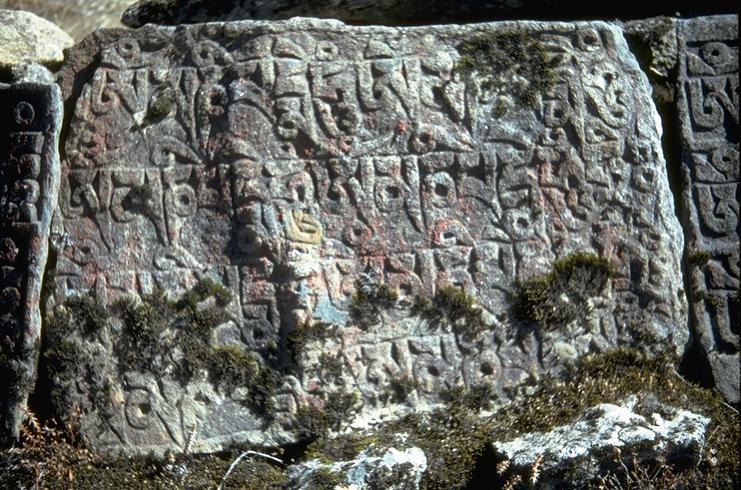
(452, 306)
(140, 347)
(84, 313)
(562, 295)
(338, 408)
(474, 398)
(231, 367)
(369, 300)
(452, 437)
(455, 437)
(324, 478)
(698, 258)
(304, 333)
(507, 64)
(152, 334)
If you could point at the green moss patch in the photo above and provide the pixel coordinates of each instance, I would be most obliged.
(513, 64)
(698, 258)
(453, 438)
(556, 298)
(369, 300)
(154, 334)
(324, 478)
(455, 307)
(304, 333)
(338, 408)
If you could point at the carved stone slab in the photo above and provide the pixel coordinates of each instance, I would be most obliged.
(289, 160)
(709, 116)
(30, 120)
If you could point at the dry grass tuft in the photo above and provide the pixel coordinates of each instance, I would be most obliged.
(47, 452)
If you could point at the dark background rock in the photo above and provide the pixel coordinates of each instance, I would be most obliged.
(408, 12)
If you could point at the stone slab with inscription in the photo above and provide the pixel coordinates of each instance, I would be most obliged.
(303, 163)
(30, 121)
(707, 100)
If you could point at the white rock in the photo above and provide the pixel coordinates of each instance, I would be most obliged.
(605, 426)
(394, 469)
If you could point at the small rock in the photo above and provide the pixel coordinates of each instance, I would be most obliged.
(394, 470)
(25, 37)
(652, 432)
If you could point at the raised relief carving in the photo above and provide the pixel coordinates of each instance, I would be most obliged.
(293, 163)
(709, 115)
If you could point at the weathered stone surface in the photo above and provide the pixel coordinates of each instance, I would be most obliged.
(291, 160)
(26, 38)
(649, 433)
(31, 115)
(707, 89)
(390, 468)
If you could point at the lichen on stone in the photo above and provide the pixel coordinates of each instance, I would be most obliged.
(452, 306)
(370, 299)
(507, 64)
(560, 296)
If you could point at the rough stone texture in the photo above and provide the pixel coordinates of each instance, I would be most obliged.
(31, 115)
(707, 89)
(391, 469)
(287, 160)
(649, 432)
(26, 38)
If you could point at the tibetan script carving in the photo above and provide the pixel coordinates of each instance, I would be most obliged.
(290, 160)
(709, 116)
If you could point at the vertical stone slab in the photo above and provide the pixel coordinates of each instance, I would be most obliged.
(288, 160)
(708, 95)
(30, 120)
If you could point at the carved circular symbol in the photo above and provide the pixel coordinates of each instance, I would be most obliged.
(139, 408)
(8, 251)
(715, 54)
(128, 48)
(725, 159)
(24, 113)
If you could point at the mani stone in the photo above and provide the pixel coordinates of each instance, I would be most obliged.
(27, 38)
(31, 117)
(707, 89)
(342, 183)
